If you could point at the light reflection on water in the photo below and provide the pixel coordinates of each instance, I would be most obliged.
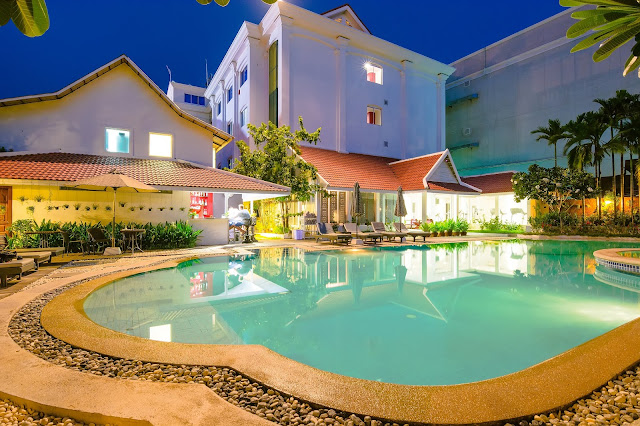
(454, 313)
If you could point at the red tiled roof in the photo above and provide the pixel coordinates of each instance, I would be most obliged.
(71, 167)
(411, 172)
(448, 186)
(491, 183)
(344, 170)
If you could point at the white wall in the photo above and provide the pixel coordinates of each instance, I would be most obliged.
(176, 92)
(118, 99)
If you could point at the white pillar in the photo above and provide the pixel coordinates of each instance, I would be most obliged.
(284, 73)
(341, 97)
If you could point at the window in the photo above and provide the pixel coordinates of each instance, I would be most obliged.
(244, 74)
(374, 115)
(117, 140)
(374, 73)
(229, 162)
(219, 107)
(229, 93)
(230, 128)
(193, 99)
(273, 83)
(243, 117)
(160, 145)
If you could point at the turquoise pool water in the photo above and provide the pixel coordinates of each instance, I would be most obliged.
(451, 314)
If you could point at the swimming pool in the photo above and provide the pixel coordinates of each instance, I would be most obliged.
(455, 313)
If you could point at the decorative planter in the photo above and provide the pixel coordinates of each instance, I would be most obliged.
(456, 233)
(442, 234)
(463, 233)
(449, 232)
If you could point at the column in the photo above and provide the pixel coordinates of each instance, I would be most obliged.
(441, 107)
(404, 105)
(284, 73)
(341, 101)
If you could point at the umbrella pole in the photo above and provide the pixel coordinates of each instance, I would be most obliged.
(113, 224)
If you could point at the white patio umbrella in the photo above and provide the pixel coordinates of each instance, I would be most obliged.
(113, 180)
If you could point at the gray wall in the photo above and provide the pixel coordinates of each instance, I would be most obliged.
(522, 82)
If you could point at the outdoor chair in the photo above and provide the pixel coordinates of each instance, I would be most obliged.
(97, 239)
(39, 257)
(414, 233)
(391, 236)
(333, 237)
(15, 268)
(67, 242)
(373, 237)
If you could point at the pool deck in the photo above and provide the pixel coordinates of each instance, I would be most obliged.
(28, 379)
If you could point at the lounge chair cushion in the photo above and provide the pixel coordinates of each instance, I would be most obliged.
(322, 228)
(55, 251)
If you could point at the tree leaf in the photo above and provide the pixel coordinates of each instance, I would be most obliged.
(222, 2)
(632, 63)
(5, 12)
(587, 24)
(590, 41)
(615, 42)
(30, 16)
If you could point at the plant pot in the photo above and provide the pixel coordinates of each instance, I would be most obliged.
(463, 233)
(449, 232)
(456, 233)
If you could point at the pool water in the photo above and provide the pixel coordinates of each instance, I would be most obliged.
(454, 313)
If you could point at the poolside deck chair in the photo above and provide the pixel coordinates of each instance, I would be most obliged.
(68, 242)
(371, 237)
(413, 233)
(15, 268)
(333, 237)
(55, 251)
(391, 236)
(39, 257)
(97, 240)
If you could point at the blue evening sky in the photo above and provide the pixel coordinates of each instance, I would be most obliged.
(181, 34)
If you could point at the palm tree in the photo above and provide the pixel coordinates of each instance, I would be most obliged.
(552, 134)
(610, 110)
(585, 147)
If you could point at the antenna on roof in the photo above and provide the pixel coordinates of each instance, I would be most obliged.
(208, 77)
(169, 69)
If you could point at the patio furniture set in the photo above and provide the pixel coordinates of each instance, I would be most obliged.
(326, 232)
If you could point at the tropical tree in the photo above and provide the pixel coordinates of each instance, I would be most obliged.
(585, 146)
(277, 159)
(32, 18)
(613, 23)
(630, 135)
(554, 186)
(553, 134)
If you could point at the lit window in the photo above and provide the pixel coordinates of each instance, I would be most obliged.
(229, 93)
(374, 115)
(117, 140)
(160, 145)
(229, 162)
(243, 117)
(244, 74)
(230, 128)
(219, 107)
(374, 73)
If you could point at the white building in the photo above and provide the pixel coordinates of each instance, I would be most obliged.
(369, 96)
(190, 99)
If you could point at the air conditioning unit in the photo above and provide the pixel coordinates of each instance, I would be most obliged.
(466, 131)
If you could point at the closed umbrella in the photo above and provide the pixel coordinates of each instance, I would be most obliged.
(401, 208)
(116, 181)
(357, 209)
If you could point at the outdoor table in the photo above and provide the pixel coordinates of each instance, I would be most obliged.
(44, 237)
(131, 238)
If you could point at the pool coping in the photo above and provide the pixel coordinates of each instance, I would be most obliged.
(552, 384)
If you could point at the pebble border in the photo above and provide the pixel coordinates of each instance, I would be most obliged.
(15, 414)
(618, 402)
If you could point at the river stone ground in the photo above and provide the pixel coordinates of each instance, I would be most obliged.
(14, 414)
(618, 402)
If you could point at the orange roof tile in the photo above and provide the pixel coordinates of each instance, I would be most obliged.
(71, 167)
(344, 170)
(491, 183)
(411, 172)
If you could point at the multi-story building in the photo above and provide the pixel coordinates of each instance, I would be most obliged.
(190, 99)
(368, 95)
(499, 94)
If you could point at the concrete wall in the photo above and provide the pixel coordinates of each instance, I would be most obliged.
(77, 122)
(521, 83)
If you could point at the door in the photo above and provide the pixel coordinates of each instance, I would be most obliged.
(5, 208)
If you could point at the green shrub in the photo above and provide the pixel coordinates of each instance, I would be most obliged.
(461, 225)
(495, 225)
(425, 226)
(553, 220)
(449, 224)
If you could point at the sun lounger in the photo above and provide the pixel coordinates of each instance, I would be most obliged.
(414, 233)
(373, 237)
(39, 257)
(391, 236)
(15, 268)
(55, 251)
(331, 236)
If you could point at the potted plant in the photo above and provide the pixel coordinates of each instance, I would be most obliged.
(31, 209)
(22, 198)
(66, 206)
(38, 198)
(76, 206)
(448, 226)
(462, 226)
(435, 229)
(425, 227)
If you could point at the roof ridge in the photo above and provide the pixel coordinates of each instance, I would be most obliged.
(419, 157)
